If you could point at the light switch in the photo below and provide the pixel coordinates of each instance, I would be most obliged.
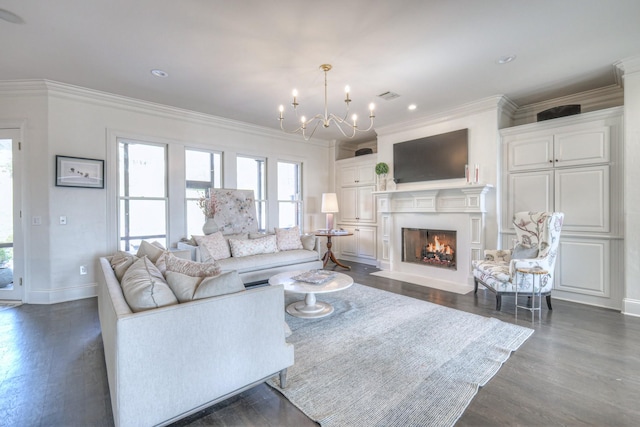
(36, 220)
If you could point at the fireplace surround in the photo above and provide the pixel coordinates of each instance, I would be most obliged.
(458, 208)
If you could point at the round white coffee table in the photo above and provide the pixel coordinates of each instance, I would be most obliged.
(310, 308)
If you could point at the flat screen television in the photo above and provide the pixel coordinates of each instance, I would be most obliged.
(432, 158)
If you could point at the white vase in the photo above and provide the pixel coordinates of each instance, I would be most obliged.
(391, 185)
(209, 226)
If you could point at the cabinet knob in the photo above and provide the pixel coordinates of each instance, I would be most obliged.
(550, 161)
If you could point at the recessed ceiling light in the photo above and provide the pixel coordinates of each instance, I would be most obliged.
(505, 59)
(412, 107)
(159, 73)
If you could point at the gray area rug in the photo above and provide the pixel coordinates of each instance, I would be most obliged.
(383, 359)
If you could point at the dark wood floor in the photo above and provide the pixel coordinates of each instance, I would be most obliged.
(580, 367)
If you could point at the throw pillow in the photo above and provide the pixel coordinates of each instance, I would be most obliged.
(226, 283)
(182, 285)
(151, 250)
(144, 288)
(191, 268)
(121, 262)
(213, 247)
(263, 245)
(288, 238)
(308, 241)
(521, 251)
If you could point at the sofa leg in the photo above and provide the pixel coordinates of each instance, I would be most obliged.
(498, 302)
(475, 285)
(549, 302)
(283, 378)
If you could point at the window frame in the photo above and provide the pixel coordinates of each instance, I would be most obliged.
(299, 194)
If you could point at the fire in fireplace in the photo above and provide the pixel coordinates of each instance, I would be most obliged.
(429, 247)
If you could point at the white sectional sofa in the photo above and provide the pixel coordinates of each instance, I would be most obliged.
(259, 267)
(166, 363)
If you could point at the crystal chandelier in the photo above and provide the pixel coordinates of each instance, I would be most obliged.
(326, 118)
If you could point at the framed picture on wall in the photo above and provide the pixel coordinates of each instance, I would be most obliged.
(79, 172)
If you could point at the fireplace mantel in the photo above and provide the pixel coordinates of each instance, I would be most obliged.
(448, 207)
(445, 199)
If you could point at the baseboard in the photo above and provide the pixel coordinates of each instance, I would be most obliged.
(55, 296)
(631, 307)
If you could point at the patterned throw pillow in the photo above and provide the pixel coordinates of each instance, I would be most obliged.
(191, 268)
(145, 288)
(262, 245)
(213, 247)
(288, 238)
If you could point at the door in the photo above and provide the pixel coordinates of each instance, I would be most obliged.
(11, 254)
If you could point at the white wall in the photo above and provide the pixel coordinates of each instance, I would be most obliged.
(481, 118)
(631, 302)
(72, 121)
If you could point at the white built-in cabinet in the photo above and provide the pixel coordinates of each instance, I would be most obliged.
(356, 182)
(572, 165)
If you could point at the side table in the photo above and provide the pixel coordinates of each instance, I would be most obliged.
(536, 273)
(329, 254)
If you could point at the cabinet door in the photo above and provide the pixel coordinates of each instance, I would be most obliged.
(582, 147)
(366, 174)
(366, 242)
(527, 153)
(528, 191)
(366, 207)
(583, 195)
(348, 244)
(583, 267)
(347, 175)
(349, 204)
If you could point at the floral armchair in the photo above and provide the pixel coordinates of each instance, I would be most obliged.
(538, 236)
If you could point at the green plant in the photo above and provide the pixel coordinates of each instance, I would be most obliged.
(382, 168)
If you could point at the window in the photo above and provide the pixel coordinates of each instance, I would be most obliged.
(142, 193)
(203, 170)
(289, 194)
(251, 175)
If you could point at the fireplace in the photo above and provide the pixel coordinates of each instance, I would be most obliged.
(430, 247)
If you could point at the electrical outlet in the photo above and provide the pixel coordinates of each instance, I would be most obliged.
(36, 220)
(63, 220)
(83, 269)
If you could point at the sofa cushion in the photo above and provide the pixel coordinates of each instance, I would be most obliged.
(213, 247)
(120, 262)
(151, 250)
(191, 268)
(182, 285)
(521, 251)
(226, 283)
(288, 238)
(262, 245)
(308, 241)
(145, 288)
(265, 261)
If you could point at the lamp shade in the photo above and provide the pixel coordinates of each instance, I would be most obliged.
(329, 203)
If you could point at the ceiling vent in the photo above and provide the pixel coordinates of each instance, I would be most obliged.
(388, 96)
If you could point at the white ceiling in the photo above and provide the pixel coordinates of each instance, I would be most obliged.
(241, 59)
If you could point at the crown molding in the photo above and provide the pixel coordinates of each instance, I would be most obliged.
(492, 103)
(80, 94)
(591, 100)
(627, 66)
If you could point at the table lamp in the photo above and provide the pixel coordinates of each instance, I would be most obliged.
(329, 206)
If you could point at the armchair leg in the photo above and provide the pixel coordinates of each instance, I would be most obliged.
(549, 302)
(498, 302)
(475, 285)
(283, 378)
